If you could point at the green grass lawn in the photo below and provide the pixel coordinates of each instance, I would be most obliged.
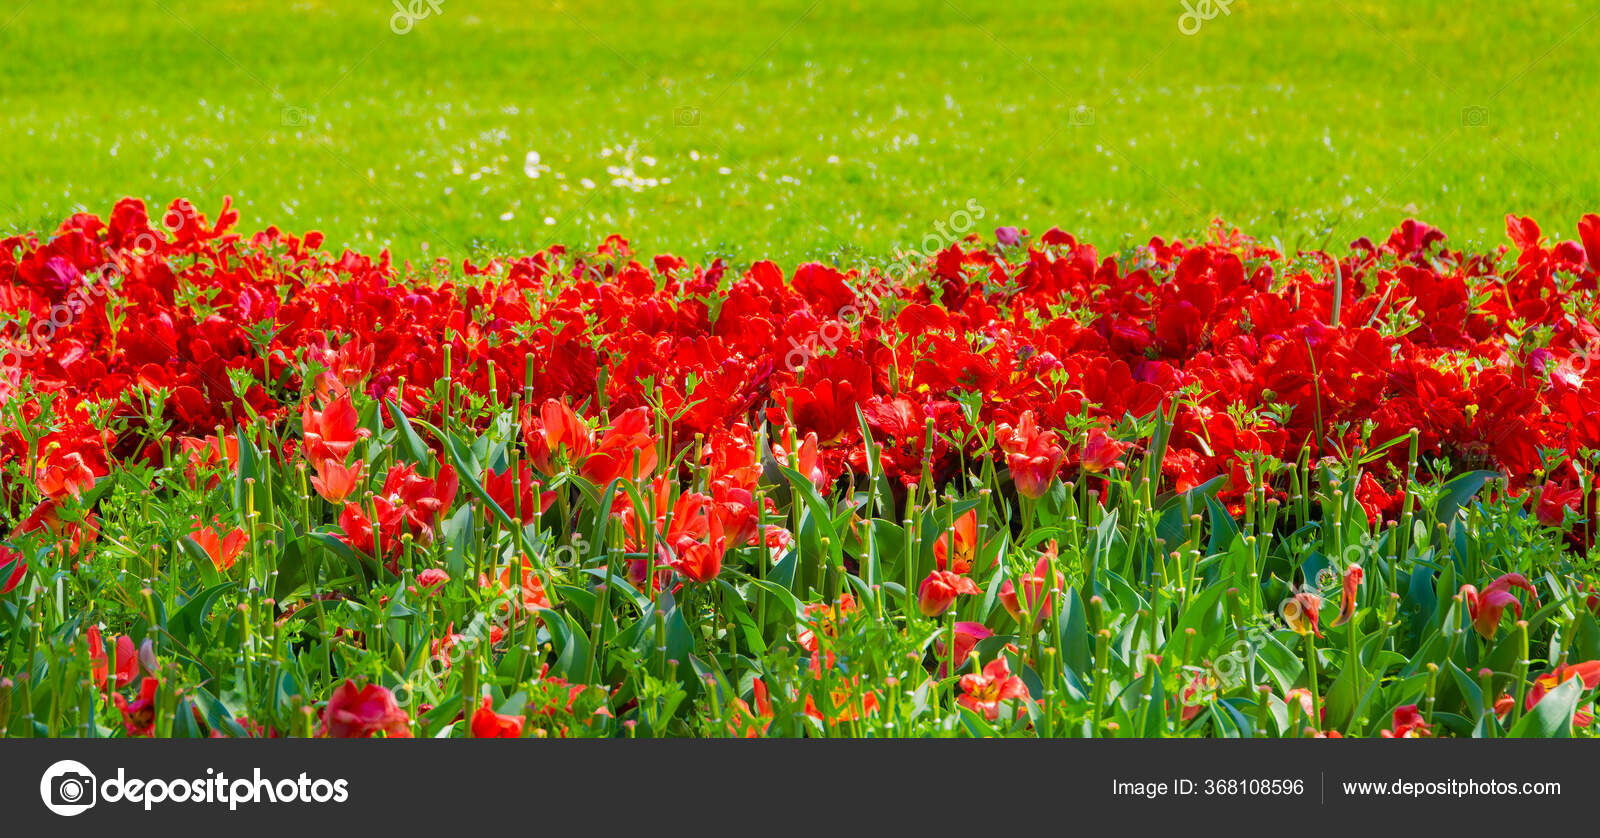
(802, 128)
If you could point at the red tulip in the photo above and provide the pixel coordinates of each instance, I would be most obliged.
(1032, 586)
(983, 692)
(1589, 671)
(408, 504)
(332, 433)
(1486, 608)
(100, 667)
(733, 460)
(1101, 452)
(1347, 600)
(139, 715)
(940, 590)
(1554, 501)
(361, 712)
(1408, 724)
(207, 454)
(65, 475)
(967, 637)
(627, 450)
(806, 458)
(698, 560)
(1033, 456)
(487, 724)
(522, 493)
(1589, 234)
(554, 430)
(422, 500)
(530, 593)
(432, 579)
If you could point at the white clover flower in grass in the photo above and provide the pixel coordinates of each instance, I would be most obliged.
(532, 167)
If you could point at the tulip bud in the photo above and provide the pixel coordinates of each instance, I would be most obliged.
(1347, 602)
(147, 656)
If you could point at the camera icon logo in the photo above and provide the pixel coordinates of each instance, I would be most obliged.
(1474, 116)
(68, 788)
(686, 117)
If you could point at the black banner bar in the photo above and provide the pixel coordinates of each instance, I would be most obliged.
(730, 786)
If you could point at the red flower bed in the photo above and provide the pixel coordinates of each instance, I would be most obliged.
(1485, 355)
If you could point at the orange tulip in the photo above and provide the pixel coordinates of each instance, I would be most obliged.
(335, 481)
(224, 550)
(957, 546)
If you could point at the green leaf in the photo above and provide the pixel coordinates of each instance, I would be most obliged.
(821, 515)
(363, 565)
(1585, 642)
(409, 445)
(1551, 718)
(1223, 528)
(1458, 491)
(1471, 692)
(293, 570)
(790, 602)
(1174, 524)
(188, 620)
(738, 608)
(249, 470)
(1075, 651)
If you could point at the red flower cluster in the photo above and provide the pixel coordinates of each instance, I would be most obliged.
(1053, 345)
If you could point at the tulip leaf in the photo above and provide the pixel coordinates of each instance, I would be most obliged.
(1173, 526)
(1075, 651)
(411, 447)
(820, 514)
(1229, 721)
(189, 619)
(1223, 528)
(1457, 492)
(1551, 718)
(1471, 692)
(364, 566)
(737, 607)
(293, 570)
(1584, 643)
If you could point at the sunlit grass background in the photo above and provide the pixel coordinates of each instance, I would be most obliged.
(802, 128)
